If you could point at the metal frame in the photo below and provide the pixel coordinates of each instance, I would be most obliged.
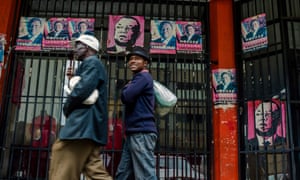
(270, 73)
(38, 77)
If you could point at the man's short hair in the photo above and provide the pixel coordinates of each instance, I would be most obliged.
(34, 19)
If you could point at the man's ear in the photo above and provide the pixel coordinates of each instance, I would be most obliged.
(146, 62)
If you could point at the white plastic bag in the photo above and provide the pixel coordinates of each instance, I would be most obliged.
(165, 99)
(73, 81)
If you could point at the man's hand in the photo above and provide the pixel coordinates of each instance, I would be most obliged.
(70, 72)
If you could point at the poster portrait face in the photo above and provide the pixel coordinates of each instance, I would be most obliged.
(263, 116)
(82, 27)
(255, 25)
(58, 26)
(166, 29)
(124, 32)
(266, 118)
(34, 26)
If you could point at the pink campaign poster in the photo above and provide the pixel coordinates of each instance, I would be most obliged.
(189, 38)
(124, 32)
(254, 33)
(30, 34)
(56, 34)
(78, 26)
(266, 121)
(224, 86)
(163, 37)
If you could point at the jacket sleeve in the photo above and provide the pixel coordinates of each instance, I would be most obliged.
(133, 89)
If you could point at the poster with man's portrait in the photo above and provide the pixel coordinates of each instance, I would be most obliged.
(79, 26)
(56, 34)
(266, 122)
(254, 33)
(30, 35)
(224, 86)
(163, 37)
(2, 46)
(189, 37)
(124, 32)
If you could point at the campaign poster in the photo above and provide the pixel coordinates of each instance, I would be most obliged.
(266, 122)
(124, 32)
(189, 38)
(224, 86)
(2, 46)
(56, 34)
(79, 26)
(254, 33)
(163, 37)
(30, 35)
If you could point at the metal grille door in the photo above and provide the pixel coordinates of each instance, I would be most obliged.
(270, 99)
(34, 105)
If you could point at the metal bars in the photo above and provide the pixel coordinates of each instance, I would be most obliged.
(270, 76)
(38, 80)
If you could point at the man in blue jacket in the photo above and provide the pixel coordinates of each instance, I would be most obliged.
(77, 149)
(137, 161)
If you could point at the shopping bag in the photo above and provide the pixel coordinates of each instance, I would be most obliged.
(165, 99)
(73, 81)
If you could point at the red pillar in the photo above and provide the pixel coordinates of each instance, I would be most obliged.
(8, 19)
(225, 141)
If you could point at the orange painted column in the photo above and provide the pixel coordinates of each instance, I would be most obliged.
(8, 15)
(225, 137)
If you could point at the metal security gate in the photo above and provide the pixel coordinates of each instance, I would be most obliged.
(269, 143)
(33, 115)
